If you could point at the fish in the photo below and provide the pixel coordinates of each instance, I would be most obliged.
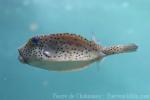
(66, 52)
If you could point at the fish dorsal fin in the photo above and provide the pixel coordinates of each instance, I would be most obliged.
(94, 39)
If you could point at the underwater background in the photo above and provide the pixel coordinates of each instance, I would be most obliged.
(120, 77)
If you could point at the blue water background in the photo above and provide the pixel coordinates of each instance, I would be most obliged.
(120, 77)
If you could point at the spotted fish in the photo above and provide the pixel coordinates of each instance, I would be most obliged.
(66, 52)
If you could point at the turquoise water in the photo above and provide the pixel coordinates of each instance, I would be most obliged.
(120, 77)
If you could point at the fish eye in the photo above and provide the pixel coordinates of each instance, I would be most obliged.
(35, 40)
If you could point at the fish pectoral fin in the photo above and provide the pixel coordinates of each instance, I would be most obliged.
(48, 51)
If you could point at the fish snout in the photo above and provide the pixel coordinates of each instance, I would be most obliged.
(21, 58)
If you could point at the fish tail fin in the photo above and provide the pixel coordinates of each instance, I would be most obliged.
(120, 49)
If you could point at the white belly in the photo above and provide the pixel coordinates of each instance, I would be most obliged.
(63, 65)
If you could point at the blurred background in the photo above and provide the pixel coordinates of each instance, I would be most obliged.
(120, 77)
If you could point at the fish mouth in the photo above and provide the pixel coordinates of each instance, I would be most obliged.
(21, 58)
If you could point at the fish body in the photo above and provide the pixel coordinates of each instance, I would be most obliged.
(65, 52)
